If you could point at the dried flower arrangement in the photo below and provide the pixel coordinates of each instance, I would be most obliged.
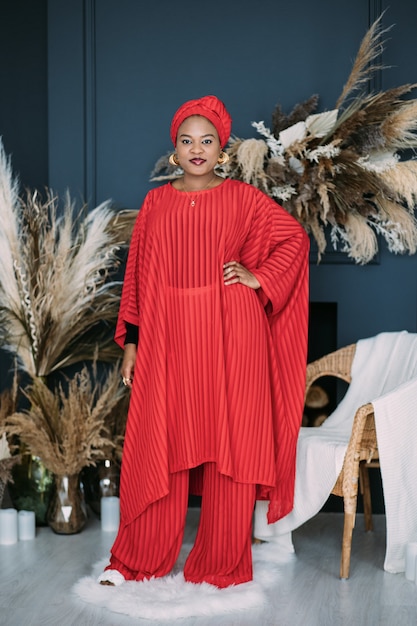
(59, 297)
(343, 171)
(8, 405)
(68, 428)
(58, 292)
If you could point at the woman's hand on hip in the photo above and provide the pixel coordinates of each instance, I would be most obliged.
(234, 272)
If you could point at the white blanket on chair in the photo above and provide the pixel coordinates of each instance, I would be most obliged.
(396, 430)
(381, 364)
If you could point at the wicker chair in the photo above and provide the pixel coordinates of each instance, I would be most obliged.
(361, 453)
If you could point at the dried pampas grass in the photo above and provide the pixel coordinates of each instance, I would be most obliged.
(398, 227)
(59, 294)
(399, 128)
(8, 404)
(402, 177)
(357, 238)
(251, 156)
(7, 461)
(66, 427)
(364, 65)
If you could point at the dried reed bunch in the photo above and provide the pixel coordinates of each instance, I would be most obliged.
(8, 405)
(68, 427)
(59, 290)
(344, 174)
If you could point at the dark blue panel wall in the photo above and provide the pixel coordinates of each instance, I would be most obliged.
(144, 59)
(117, 71)
(89, 88)
(23, 101)
(23, 80)
(383, 296)
(151, 57)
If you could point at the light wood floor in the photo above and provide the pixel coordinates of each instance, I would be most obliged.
(36, 579)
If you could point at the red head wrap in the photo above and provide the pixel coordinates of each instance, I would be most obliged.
(209, 107)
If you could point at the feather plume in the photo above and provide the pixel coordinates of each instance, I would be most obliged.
(399, 128)
(363, 67)
(357, 237)
(250, 156)
(397, 226)
(403, 179)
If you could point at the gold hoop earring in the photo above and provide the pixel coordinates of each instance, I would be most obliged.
(173, 160)
(223, 158)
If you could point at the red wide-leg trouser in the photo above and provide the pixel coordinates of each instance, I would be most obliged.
(149, 546)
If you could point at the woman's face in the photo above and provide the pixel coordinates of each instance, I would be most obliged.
(198, 146)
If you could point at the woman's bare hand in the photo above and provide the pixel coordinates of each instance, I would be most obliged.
(234, 272)
(128, 364)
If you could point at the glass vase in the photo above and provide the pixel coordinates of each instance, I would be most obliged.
(100, 481)
(67, 513)
(31, 487)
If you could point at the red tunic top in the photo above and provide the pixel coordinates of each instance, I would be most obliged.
(220, 370)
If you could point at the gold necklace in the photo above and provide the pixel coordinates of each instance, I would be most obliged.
(192, 200)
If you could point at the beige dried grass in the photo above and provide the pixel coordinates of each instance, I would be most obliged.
(360, 238)
(251, 155)
(399, 128)
(67, 427)
(403, 180)
(364, 66)
(8, 402)
(59, 294)
(397, 226)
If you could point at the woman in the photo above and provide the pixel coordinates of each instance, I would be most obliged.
(213, 320)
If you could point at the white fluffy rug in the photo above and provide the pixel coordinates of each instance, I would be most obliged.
(172, 597)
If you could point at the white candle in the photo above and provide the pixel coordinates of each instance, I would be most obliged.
(110, 513)
(8, 526)
(410, 560)
(26, 525)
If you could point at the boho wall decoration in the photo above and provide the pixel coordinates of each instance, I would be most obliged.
(345, 174)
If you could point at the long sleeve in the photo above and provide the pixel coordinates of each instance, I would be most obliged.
(129, 303)
(217, 379)
(283, 274)
(285, 251)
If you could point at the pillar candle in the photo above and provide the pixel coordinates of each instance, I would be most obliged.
(110, 513)
(8, 526)
(26, 525)
(410, 560)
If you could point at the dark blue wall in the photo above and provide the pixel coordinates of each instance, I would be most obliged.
(89, 89)
(131, 64)
(24, 95)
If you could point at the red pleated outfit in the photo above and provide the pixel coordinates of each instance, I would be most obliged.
(219, 377)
